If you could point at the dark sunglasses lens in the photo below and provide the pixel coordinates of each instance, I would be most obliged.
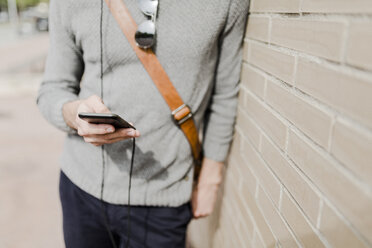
(148, 7)
(145, 35)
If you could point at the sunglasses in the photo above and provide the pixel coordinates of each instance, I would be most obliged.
(145, 34)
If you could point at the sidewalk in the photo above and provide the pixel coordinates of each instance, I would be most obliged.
(30, 214)
(23, 54)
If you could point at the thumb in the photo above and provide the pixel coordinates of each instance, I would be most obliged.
(98, 106)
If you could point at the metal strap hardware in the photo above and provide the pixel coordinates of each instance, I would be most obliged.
(182, 114)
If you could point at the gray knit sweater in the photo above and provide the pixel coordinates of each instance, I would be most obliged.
(199, 43)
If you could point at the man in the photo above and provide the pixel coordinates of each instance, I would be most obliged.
(199, 44)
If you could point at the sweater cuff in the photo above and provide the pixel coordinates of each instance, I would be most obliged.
(52, 110)
(58, 115)
(215, 151)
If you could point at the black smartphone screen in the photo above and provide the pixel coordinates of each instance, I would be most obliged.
(109, 118)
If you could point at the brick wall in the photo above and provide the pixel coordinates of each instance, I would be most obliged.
(300, 169)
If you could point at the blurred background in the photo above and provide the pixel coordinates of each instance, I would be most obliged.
(30, 213)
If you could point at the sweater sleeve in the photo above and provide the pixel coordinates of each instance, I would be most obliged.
(64, 67)
(221, 113)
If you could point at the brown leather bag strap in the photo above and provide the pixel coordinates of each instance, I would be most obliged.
(181, 112)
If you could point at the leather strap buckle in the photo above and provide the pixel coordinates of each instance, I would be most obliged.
(181, 114)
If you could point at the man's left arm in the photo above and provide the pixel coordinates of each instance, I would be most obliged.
(221, 113)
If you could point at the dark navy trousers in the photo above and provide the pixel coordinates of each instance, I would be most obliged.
(84, 225)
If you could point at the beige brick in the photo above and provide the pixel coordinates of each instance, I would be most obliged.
(241, 96)
(265, 232)
(265, 177)
(233, 158)
(248, 127)
(245, 233)
(249, 184)
(272, 126)
(344, 93)
(217, 239)
(245, 241)
(337, 6)
(354, 149)
(224, 239)
(234, 239)
(257, 243)
(320, 38)
(197, 230)
(253, 80)
(282, 6)
(234, 172)
(236, 175)
(352, 201)
(229, 177)
(236, 145)
(220, 239)
(249, 181)
(227, 202)
(258, 28)
(298, 223)
(246, 48)
(337, 232)
(292, 180)
(244, 222)
(237, 226)
(274, 62)
(311, 120)
(359, 50)
(234, 207)
(225, 210)
(276, 223)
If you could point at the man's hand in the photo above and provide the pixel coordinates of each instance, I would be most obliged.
(204, 195)
(96, 134)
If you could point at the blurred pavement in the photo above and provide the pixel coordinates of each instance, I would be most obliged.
(7, 33)
(23, 54)
(30, 213)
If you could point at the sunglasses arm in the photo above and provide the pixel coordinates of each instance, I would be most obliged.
(153, 16)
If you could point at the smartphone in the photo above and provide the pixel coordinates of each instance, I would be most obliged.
(103, 118)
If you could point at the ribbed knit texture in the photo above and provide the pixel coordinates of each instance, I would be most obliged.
(199, 43)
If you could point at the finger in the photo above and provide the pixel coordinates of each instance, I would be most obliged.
(200, 214)
(87, 104)
(112, 141)
(132, 133)
(94, 141)
(107, 142)
(86, 129)
(97, 141)
(95, 98)
(99, 106)
(124, 133)
(197, 215)
(84, 108)
(90, 140)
